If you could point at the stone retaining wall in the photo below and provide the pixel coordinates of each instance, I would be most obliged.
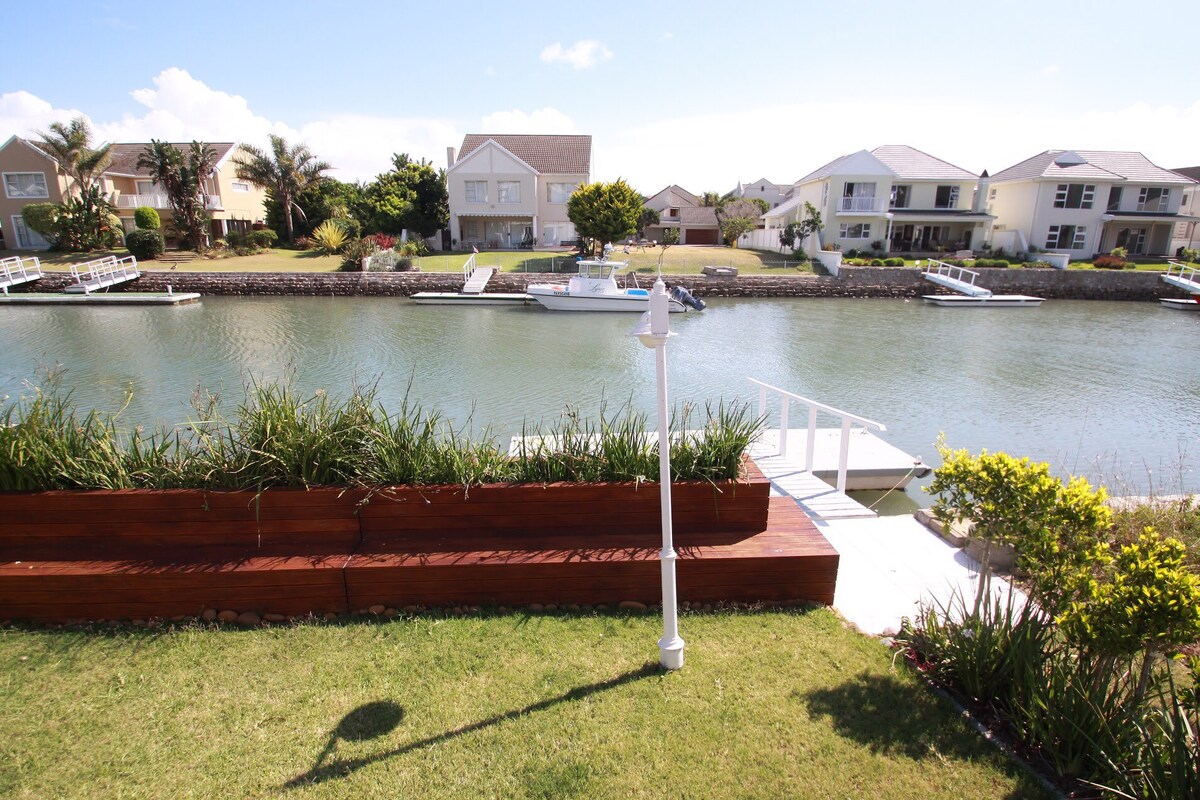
(854, 282)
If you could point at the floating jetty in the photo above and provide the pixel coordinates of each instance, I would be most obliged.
(962, 280)
(475, 281)
(1186, 277)
(101, 299)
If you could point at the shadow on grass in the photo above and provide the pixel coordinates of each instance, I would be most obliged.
(377, 718)
(894, 718)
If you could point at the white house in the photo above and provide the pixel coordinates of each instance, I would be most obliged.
(679, 208)
(511, 190)
(894, 198)
(1085, 202)
(774, 193)
(1187, 232)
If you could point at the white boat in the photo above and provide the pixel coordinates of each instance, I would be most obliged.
(595, 289)
(1181, 305)
(994, 300)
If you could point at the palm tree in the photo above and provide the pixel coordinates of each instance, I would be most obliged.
(182, 178)
(284, 173)
(70, 145)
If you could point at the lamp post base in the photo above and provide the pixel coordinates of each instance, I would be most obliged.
(670, 652)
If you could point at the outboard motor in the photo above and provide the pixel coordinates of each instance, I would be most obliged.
(684, 296)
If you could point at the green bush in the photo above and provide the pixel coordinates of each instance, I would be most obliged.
(991, 263)
(893, 262)
(263, 239)
(1188, 254)
(145, 245)
(354, 252)
(331, 237)
(146, 218)
(876, 262)
(43, 218)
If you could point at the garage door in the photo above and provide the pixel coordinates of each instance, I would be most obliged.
(700, 236)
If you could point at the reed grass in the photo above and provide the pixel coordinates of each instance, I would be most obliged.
(278, 437)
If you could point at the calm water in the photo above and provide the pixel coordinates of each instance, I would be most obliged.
(1109, 390)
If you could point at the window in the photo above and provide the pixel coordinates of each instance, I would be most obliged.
(240, 187)
(861, 231)
(1152, 198)
(1074, 195)
(25, 184)
(946, 197)
(1114, 198)
(992, 193)
(27, 239)
(672, 213)
(1066, 237)
(1132, 239)
(900, 196)
(508, 192)
(559, 192)
(476, 191)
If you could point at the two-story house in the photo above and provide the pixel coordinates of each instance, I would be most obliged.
(511, 190)
(30, 175)
(679, 208)
(762, 189)
(1187, 231)
(1085, 202)
(894, 198)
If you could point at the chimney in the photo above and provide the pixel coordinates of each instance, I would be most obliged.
(449, 157)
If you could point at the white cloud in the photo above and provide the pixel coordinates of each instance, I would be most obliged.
(1049, 70)
(583, 54)
(667, 36)
(543, 120)
(24, 114)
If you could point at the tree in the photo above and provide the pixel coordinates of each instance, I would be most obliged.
(736, 217)
(646, 219)
(811, 224)
(182, 177)
(328, 199)
(605, 212)
(710, 199)
(85, 221)
(284, 174)
(412, 196)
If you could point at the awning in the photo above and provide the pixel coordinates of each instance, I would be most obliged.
(506, 214)
(929, 215)
(1148, 217)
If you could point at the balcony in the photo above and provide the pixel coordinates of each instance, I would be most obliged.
(860, 205)
(212, 202)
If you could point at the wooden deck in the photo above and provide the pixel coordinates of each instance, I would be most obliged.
(105, 555)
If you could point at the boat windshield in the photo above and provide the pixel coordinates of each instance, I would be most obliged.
(602, 270)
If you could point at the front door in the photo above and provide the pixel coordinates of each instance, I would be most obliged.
(1132, 239)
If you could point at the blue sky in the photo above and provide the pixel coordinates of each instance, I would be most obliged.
(702, 94)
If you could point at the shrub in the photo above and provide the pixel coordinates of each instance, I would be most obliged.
(263, 239)
(1188, 254)
(354, 252)
(304, 243)
(331, 237)
(146, 218)
(43, 218)
(876, 262)
(382, 260)
(1119, 252)
(145, 244)
(413, 247)
(991, 263)
(852, 252)
(893, 262)
(1109, 262)
(384, 241)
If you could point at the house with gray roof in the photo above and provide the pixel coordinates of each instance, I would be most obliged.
(1187, 232)
(894, 198)
(1087, 202)
(679, 208)
(511, 190)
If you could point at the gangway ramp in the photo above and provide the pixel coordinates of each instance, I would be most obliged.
(478, 280)
(1183, 276)
(959, 279)
(102, 273)
(17, 270)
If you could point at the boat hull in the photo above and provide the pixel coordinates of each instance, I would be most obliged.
(992, 301)
(559, 299)
(1180, 305)
(467, 299)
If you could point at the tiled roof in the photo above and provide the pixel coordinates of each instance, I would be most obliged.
(125, 155)
(546, 154)
(910, 163)
(1089, 164)
(1188, 172)
(698, 215)
(675, 195)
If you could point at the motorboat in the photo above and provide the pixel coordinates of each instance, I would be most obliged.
(595, 288)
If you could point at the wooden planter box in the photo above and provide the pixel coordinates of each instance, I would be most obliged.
(142, 553)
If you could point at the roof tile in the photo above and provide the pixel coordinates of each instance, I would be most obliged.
(545, 153)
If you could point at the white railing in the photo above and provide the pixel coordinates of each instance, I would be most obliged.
(16, 270)
(212, 202)
(1185, 276)
(814, 408)
(469, 267)
(955, 278)
(869, 204)
(106, 271)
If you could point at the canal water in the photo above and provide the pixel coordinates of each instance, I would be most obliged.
(1107, 390)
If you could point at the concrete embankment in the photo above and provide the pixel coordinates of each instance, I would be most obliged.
(853, 282)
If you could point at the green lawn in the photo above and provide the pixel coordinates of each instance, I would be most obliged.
(769, 704)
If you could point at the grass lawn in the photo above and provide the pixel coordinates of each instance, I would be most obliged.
(770, 704)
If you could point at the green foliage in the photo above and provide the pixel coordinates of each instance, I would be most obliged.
(43, 218)
(182, 176)
(145, 244)
(326, 199)
(811, 223)
(329, 237)
(146, 218)
(605, 212)
(280, 438)
(893, 262)
(412, 196)
(354, 252)
(246, 243)
(788, 237)
(285, 174)
(670, 236)
(1119, 252)
(647, 217)
(1190, 255)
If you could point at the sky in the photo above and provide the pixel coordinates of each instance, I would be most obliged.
(701, 94)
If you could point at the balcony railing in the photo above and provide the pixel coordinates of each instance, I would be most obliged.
(861, 204)
(212, 202)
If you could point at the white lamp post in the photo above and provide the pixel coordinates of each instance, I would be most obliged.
(653, 331)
